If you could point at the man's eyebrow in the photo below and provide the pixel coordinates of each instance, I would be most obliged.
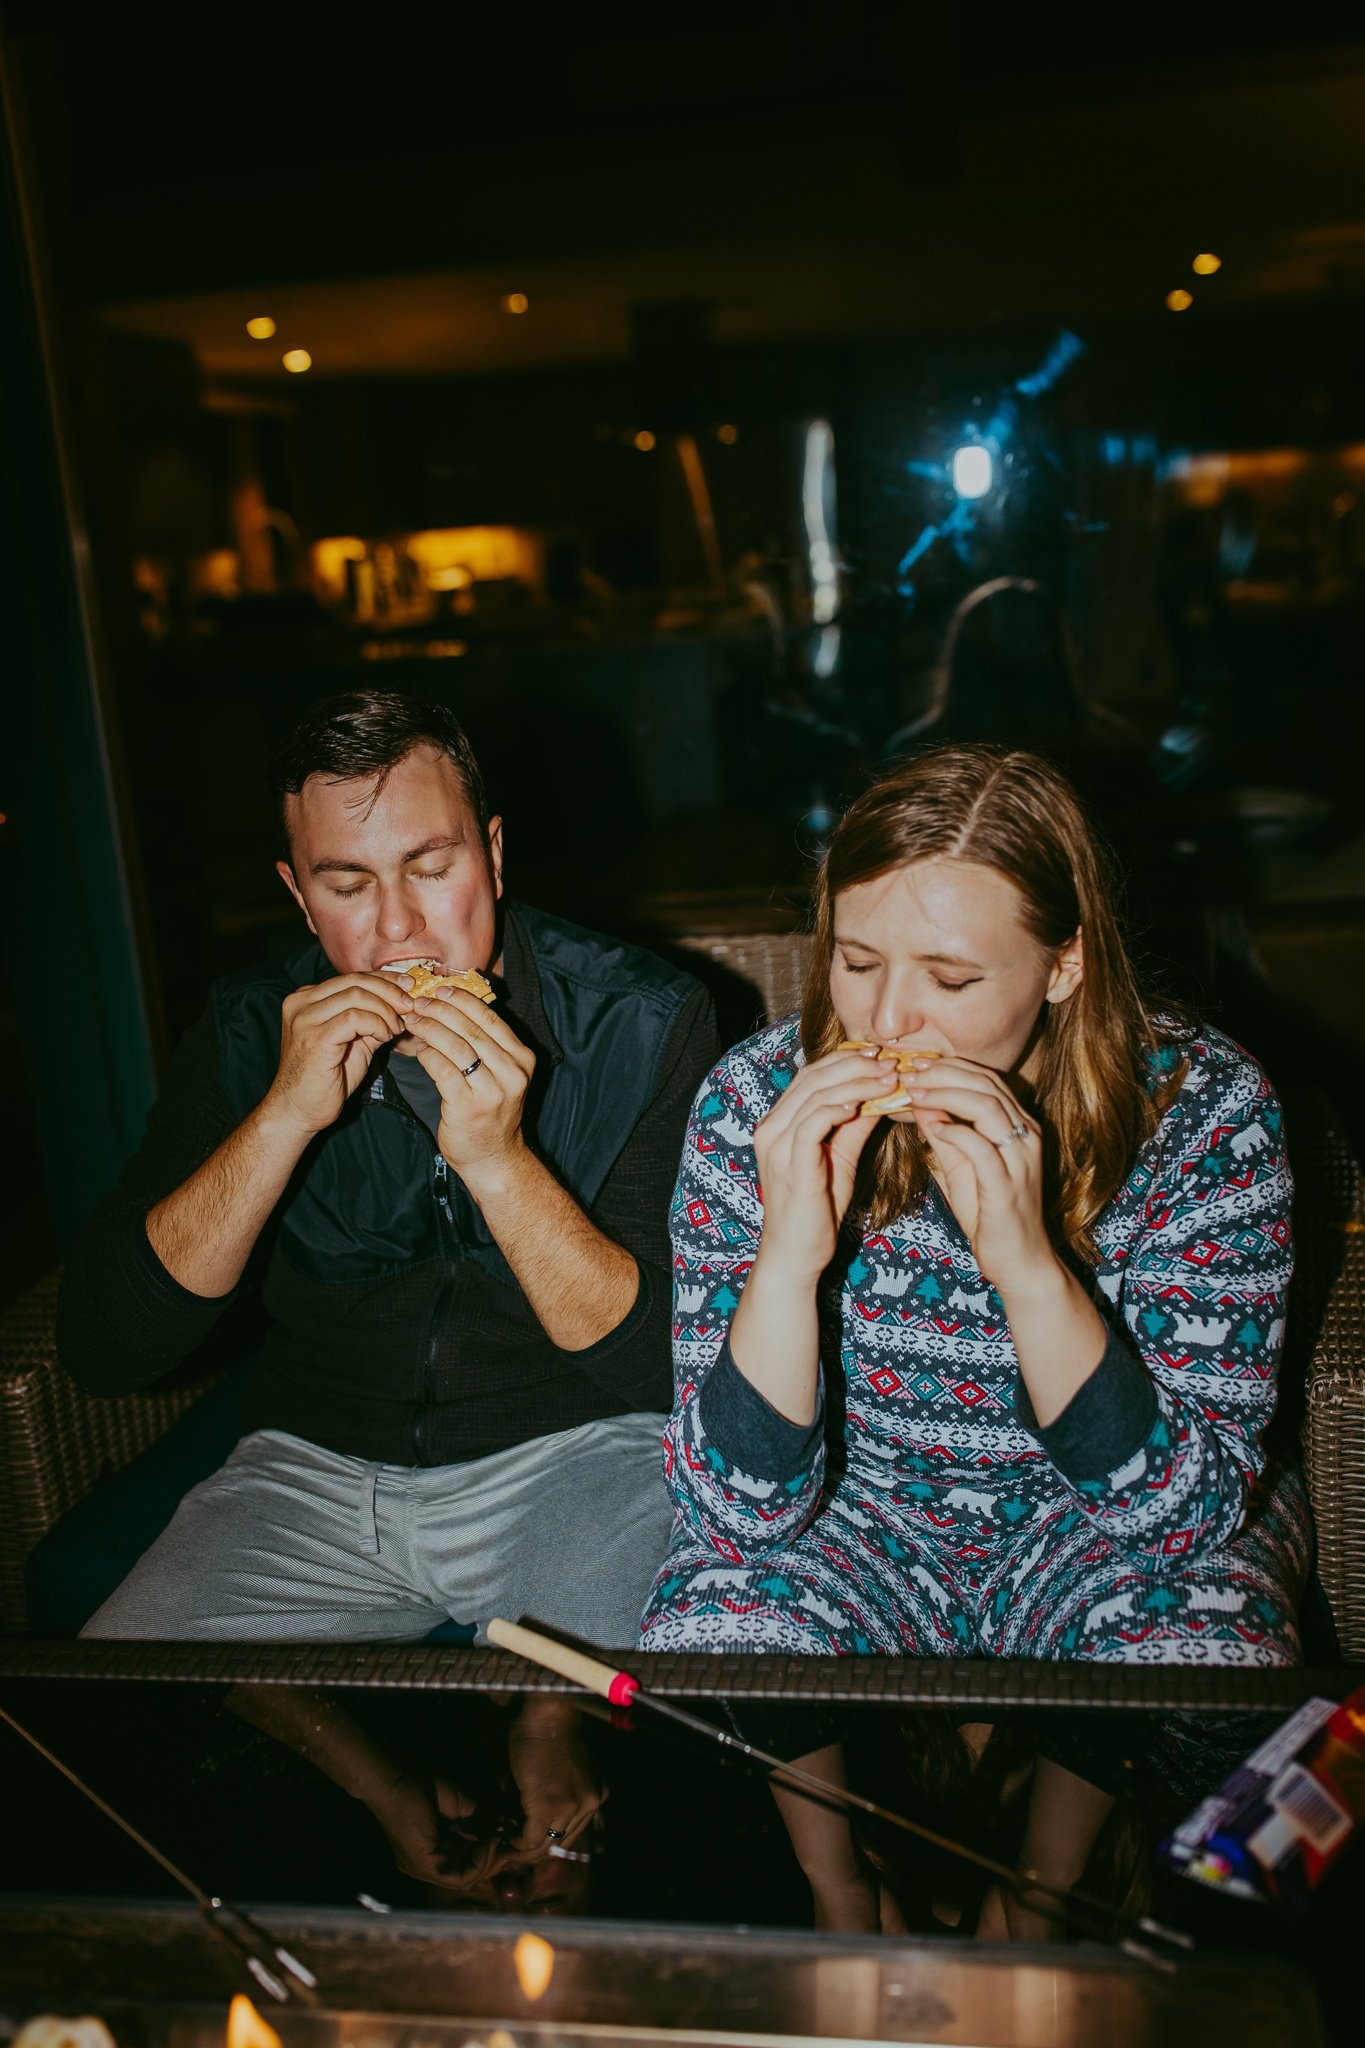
(358, 867)
(929, 959)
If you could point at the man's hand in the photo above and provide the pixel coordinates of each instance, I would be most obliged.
(204, 1233)
(419, 1817)
(580, 1284)
(558, 1786)
(329, 1033)
(483, 1071)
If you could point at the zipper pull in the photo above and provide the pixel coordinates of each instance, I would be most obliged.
(441, 1175)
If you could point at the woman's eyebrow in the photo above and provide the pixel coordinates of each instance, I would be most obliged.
(930, 959)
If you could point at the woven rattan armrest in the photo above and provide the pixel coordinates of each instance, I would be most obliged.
(56, 1441)
(1334, 1438)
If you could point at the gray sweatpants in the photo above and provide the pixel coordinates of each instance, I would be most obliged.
(289, 1542)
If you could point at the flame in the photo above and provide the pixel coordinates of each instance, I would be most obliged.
(535, 1962)
(246, 2028)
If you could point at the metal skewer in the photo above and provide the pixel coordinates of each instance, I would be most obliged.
(282, 1976)
(1089, 1914)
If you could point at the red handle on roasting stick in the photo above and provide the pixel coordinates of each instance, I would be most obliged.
(1093, 1916)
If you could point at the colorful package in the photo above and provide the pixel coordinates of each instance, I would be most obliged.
(1276, 1826)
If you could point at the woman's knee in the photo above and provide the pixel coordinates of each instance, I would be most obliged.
(704, 1604)
(1133, 1617)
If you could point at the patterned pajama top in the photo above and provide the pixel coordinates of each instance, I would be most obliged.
(925, 1511)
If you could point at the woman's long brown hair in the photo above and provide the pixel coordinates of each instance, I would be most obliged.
(1018, 814)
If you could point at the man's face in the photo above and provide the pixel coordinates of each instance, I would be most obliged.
(401, 876)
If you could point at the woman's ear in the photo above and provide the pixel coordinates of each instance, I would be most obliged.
(1068, 970)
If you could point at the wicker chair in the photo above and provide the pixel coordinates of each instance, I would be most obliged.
(58, 1441)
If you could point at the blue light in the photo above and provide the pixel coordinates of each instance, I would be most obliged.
(973, 471)
(972, 468)
(1066, 349)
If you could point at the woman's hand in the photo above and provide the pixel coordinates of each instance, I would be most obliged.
(989, 1152)
(808, 1147)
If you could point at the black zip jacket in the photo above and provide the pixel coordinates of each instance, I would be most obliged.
(396, 1331)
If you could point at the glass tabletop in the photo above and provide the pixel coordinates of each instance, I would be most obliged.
(476, 1811)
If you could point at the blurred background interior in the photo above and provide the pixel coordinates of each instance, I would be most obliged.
(711, 409)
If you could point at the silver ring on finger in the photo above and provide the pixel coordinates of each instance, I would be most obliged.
(1016, 1131)
(473, 1067)
(556, 1834)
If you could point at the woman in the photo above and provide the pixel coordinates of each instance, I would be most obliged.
(980, 1276)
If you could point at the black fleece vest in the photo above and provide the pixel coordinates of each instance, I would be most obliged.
(359, 1204)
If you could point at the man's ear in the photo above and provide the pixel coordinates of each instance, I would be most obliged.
(286, 875)
(1068, 970)
(495, 854)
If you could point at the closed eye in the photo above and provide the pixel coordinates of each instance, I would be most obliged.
(955, 987)
(419, 875)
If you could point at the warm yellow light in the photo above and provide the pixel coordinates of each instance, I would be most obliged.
(727, 435)
(1179, 301)
(1205, 264)
(261, 328)
(533, 1960)
(298, 360)
(246, 2028)
(515, 302)
(479, 554)
(644, 441)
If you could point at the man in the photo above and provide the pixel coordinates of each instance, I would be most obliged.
(457, 1215)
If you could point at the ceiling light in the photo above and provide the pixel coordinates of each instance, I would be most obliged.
(298, 360)
(515, 302)
(261, 328)
(1179, 301)
(1205, 264)
(973, 471)
(644, 440)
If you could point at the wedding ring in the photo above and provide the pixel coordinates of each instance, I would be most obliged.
(556, 1834)
(472, 1068)
(1016, 1131)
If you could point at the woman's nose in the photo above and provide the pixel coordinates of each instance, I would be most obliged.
(896, 1015)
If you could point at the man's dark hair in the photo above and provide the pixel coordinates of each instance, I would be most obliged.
(367, 733)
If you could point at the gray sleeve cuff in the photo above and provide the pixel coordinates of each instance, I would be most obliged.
(1107, 1420)
(748, 1431)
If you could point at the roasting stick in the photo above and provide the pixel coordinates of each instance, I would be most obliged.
(622, 1690)
(251, 1944)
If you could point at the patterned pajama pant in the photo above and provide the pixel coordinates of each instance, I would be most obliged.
(862, 1581)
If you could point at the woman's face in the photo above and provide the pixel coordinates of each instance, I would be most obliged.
(936, 955)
